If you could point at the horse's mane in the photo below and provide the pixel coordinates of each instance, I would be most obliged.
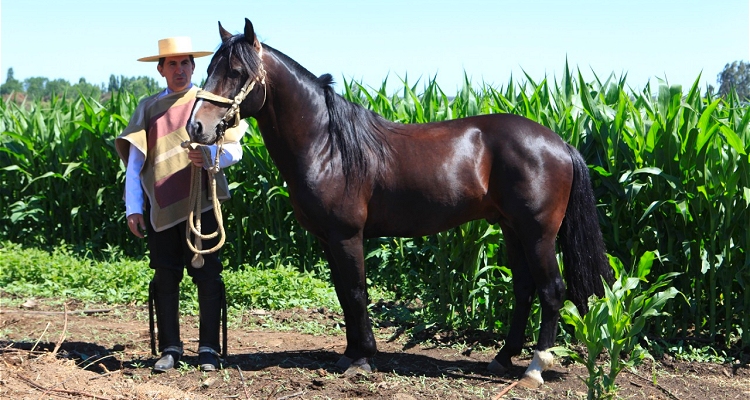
(358, 134)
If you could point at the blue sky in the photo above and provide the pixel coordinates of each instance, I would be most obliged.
(369, 41)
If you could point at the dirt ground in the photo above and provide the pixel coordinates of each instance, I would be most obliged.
(46, 353)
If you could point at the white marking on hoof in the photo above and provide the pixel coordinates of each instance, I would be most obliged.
(496, 368)
(533, 375)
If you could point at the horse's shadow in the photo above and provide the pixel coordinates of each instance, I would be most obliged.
(99, 359)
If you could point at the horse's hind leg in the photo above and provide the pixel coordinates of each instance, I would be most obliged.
(346, 262)
(551, 290)
(524, 290)
(535, 269)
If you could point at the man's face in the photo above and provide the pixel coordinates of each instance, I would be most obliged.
(178, 71)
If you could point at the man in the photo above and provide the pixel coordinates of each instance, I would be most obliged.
(157, 184)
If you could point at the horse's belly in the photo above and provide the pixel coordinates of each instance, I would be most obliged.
(412, 218)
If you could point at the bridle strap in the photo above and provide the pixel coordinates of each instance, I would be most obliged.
(234, 104)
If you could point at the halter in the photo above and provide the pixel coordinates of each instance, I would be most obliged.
(194, 216)
(233, 111)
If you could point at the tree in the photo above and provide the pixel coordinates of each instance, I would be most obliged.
(735, 76)
(11, 84)
(35, 87)
(139, 86)
(56, 88)
(88, 89)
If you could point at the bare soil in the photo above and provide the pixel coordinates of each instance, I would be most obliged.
(46, 353)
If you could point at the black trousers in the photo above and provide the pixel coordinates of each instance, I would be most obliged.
(169, 249)
(169, 257)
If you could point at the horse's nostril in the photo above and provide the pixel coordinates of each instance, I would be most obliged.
(197, 129)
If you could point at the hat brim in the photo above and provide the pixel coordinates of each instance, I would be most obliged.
(195, 54)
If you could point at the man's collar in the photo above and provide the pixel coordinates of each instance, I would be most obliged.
(169, 91)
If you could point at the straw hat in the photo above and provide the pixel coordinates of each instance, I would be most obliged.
(176, 46)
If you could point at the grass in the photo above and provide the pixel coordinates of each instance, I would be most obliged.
(61, 275)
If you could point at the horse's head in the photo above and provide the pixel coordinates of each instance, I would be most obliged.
(235, 87)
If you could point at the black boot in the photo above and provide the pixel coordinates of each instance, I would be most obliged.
(210, 302)
(169, 359)
(167, 301)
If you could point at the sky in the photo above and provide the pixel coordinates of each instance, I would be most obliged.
(370, 41)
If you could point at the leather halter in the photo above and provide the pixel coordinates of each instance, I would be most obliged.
(233, 111)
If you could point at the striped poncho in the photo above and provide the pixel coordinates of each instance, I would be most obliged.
(157, 129)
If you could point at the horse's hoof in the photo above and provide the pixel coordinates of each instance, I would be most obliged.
(532, 378)
(344, 362)
(496, 368)
(354, 367)
(530, 381)
(361, 369)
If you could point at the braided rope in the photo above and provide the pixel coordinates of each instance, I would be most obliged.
(194, 217)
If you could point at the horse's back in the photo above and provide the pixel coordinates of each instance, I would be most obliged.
(495, 167)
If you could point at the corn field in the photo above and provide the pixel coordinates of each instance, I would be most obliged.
(669, 167)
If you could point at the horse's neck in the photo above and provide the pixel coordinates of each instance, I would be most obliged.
(291, 122)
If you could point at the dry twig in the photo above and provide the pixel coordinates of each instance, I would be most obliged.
(63, 391)
(87, 312)
(661, 388)
(300, 393)
(244, 385)
(505, 391)
(62, 334)
(40, 337)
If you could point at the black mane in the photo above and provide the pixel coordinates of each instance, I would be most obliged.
(358, 134)
(237, 47)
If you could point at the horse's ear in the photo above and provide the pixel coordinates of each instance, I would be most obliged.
(250, 34)
(225, 35)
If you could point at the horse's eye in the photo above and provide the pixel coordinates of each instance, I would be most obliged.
(234, 73)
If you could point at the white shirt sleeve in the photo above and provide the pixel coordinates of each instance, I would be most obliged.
(133, 188)
(231, 153)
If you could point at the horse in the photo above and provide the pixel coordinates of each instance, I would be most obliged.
(353, 175)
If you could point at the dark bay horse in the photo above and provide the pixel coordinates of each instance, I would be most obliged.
(354, 175)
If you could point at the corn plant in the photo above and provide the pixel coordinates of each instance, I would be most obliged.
(614, 323)
(669, 168)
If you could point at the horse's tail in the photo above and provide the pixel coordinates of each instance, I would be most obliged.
(585, 261)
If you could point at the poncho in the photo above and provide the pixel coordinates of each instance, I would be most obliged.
(157, 129)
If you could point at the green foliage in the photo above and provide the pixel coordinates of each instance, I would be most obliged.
(137, 86)
(669, 168)
(11, 84)
(282, 287)
(43, 89)
(615, 323)
(64, 275)
(735, 77)
(61, 274)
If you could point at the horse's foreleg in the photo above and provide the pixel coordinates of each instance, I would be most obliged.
(346, 261)
(523, 291)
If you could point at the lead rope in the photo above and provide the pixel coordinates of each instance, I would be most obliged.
(194, 217)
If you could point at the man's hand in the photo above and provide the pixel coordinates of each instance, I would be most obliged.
(196, 157)
(136, 224)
